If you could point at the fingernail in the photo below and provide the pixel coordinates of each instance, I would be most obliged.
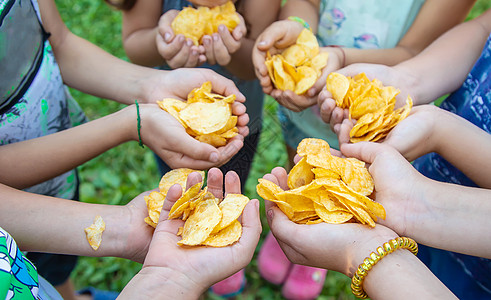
(214, 157)
(194, 53)
(167, 37)
(311, 92)
(181, 38)
(261, 43)
(190, 43)
(221, 28)
(206, 41)
(270, 214)
(215, 37)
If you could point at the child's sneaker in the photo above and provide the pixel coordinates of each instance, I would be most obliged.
(272, 263)
(304, 283)
(230, 286)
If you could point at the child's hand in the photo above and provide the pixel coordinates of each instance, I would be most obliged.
(412, 137)
(338, 247)
(275, 38)
(196, 268)
(398, 186)
(298, 103)
(219, 47)
(177, 51)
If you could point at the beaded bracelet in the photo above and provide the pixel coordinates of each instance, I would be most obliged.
(301, 21)
(369, 262)
(138, 124)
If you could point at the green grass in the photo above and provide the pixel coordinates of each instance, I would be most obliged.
(120, 174)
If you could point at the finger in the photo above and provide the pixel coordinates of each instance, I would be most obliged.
(181, 57)
(232, 183)
(242, 120)
(336, 116)
(221, 53)
(170, 49)
(173, 194)
(238, 108)
(243, 130)
(344, 131)
(228, 40)
(208, 44)
(282, 177)
(279, 224)
(164, 25)
(193, 179)
(297, 158)
(193, 58)
(365, 151)
(229, 150)
(181, 142)
(214, 182)
(251, 227)
(178, 160)
(326, 108)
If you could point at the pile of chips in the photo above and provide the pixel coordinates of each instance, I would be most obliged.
(370, 102)
(299, 66)
(206, 116)
(93, 233)
(325, 188)
(208, 221)
(195, 23)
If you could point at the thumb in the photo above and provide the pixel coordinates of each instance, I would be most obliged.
(365, 151)
(180, 142)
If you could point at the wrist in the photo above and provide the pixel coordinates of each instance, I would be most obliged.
(161, 283)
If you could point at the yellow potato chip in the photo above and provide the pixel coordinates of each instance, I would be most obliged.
(205, 118)
(301, 174)
(201, 223)
(182, 203)
(299, 66)
(231, 206)
(213, 139)
(93, 233)
(332, 217)
(176, 176)
(195, 23)
(226, 236)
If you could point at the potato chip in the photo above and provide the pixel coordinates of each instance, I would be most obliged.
(178, 176)
(299, 66)
(200, 223)
(226, 236)
(371, 103)
(325, 188)
(195, 23)
(93, 233)
(183, 202)
(206, 116)
(231, 206)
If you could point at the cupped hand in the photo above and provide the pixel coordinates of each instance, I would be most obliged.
(203, 266)
(219, 47)
(338, 247)
(274, 39)
(177, 50)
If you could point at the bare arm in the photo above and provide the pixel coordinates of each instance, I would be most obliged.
(450, 57)
(139, 33)
(308, 10)
(434, 19)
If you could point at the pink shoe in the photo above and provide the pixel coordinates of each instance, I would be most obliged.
(272, 263)
(304, 283)
(230, 286)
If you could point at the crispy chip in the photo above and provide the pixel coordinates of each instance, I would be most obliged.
(94, 232)
(178, 176)
(231, 206)
(201, 223)
(226, 236)
(325, 188)
(299, 66)
(195, 23)
(206, 116)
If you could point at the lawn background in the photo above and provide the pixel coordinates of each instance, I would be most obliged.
(120, 174)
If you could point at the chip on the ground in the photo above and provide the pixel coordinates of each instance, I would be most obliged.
(325, 188)
(94, 232)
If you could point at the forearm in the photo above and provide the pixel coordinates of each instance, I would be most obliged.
(305, 9)
(161, 283)
(401, 273)
(236, 65)
(141, 48)
(60, 152)
(91, 70)
(46, 224)
(389, 56)
(465, 146)
(450, 57)
(451, 217)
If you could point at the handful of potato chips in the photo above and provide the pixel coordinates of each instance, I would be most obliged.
(194, 23)
(206, 116)
(299, 66)
(370, 102)
(208, 221)
(325, 188)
